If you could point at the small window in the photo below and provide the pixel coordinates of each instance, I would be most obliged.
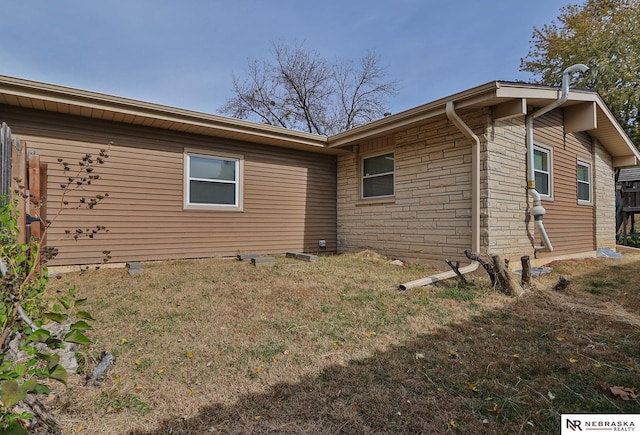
(212, 181)
(378, 176)
(584, 182)
(542, 170)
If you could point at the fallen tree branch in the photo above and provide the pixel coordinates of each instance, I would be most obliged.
(43, 415)
(106, 361)
(456, 269)
(26, 319)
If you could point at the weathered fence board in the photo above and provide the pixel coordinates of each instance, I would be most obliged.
(36, 226)
(5, 160)
(19, 177)
(23, 171)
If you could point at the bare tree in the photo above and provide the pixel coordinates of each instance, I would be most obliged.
(361, 91)
(301, 90)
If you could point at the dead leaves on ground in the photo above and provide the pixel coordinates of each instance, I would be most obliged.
(472, 386)
(624, 393)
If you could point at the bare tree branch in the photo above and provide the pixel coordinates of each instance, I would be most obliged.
(300, 90)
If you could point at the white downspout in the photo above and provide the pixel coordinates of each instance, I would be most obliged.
(475, 203)
(538, 211)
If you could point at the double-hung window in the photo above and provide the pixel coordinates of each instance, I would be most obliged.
(212, 180)
(584, 182)
(378, 173)
(542, 171)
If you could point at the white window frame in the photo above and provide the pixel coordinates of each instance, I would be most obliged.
(548, 172)
(239, 176)
(364, 177)
(589, 182)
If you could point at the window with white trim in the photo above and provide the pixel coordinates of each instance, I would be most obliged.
(378, 174)
(584, 182)
(542, 170)
(212, 180)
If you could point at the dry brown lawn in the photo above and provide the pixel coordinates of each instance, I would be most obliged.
(221, 346)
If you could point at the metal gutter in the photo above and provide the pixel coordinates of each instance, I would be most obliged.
(538, 211)
(413, 116)
(450, 109)
(26, 93)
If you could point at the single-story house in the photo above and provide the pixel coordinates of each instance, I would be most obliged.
(421, 185)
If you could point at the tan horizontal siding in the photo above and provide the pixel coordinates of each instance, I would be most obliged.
(570, 225)
(289, 196)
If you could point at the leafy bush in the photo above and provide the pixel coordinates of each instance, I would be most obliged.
(24, 319)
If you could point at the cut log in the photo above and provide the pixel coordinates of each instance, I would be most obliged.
(526, 271)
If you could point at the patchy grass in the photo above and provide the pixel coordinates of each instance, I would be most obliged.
(333, 347)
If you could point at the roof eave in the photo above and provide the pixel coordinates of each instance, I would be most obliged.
(412, 116)
(54, 98)
(611, 135)
(36, 95)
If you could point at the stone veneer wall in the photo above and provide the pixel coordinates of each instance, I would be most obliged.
(429, 218)
(604, 194)
(507, 226)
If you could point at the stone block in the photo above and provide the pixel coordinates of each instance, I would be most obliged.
(135, 268)
(263, 261)
(301, 256)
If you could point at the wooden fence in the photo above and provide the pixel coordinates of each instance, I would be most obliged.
(23, 172)
(5, 160)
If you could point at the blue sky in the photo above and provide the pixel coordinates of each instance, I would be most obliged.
(183, 53)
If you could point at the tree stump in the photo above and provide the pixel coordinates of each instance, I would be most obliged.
(485, 261)
(501, 278)
(526, 271)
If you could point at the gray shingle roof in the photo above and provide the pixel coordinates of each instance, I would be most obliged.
(629, 174)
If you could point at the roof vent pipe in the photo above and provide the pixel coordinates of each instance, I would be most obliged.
(538, 211)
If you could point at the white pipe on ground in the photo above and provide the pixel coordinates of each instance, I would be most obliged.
(538, 211)
(475, 203)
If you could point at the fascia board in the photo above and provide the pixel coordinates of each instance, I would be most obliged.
(85, 100)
